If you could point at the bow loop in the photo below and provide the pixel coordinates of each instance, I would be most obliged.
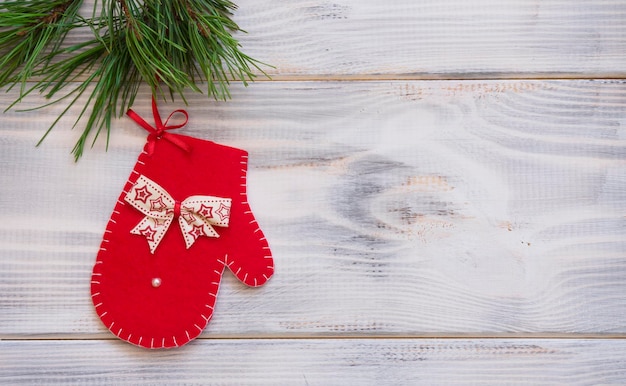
(177, 126)
(197, 215)
(160, 131)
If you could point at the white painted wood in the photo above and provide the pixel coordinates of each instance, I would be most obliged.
(446, 38)
(426, 39)
(401, 208)
(404, 208)
(318, 362)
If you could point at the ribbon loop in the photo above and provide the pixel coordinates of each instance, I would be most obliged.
(197, 215)
(160, 131)
(178, 126)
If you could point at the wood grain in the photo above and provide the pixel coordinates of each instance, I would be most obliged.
(448, 38)
(405, 208)
(420, 174)
(318, 362)
(369, 39)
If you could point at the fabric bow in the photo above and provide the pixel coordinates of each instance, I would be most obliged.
(160, 131)
(196, 215)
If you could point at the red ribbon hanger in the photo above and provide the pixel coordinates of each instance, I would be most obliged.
(160, 131)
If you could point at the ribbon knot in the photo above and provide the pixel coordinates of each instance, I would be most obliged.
(196, 214)
(160, 131)
(177, 209)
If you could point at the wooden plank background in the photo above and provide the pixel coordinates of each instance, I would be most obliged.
(443, 185)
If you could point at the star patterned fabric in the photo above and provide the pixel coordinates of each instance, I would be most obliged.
(196, 218)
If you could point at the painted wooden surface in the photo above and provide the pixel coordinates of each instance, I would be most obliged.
(404, 201)
(484, 38)
(307, 39)
(320, 362)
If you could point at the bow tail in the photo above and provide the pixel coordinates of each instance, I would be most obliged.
(193, 230)
(152, 229)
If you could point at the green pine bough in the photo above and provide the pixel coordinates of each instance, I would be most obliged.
(172, 45)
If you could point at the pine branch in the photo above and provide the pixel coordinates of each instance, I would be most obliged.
(27, 30)
(175, 44)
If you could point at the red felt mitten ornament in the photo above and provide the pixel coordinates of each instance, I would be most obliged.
(182, 218)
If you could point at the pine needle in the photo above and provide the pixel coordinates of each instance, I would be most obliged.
(171, 45)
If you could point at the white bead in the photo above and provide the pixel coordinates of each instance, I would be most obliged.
(156, 282)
